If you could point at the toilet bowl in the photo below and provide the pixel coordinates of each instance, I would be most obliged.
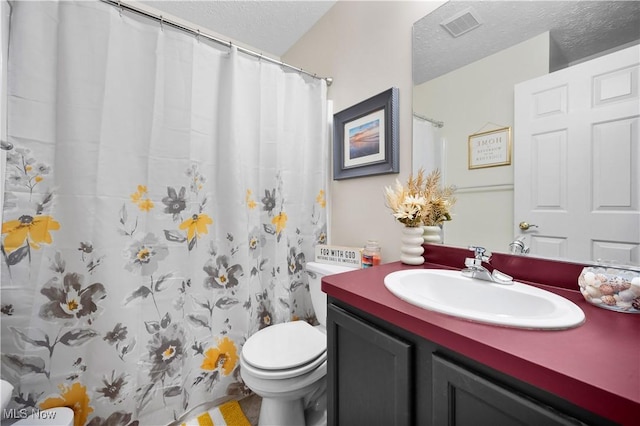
(286, 363)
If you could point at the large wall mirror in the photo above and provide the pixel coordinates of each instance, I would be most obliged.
(469, 59)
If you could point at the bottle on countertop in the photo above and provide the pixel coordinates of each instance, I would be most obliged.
(371, 254)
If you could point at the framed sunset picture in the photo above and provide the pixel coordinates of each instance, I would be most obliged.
(366, 137)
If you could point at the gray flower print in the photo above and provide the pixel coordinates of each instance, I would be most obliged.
(115, 419)
(174, 202)
(143, 255)
(221, 275)
(197, 179)
(7, 309)
(42, 169)
(256, 241)
(86, 248)
(264, 316)
(166, 350)
(70, 300)
(113, 388)
(269, 200)
(321, 235)
(119, 334)
(295, 261)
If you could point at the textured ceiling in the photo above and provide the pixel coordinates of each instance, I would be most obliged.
(579, 28)
(271, 27)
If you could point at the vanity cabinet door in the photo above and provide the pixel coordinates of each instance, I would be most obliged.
(369, 373)
(461, 397)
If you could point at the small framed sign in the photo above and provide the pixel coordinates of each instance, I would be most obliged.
(338, 255)
(489, 149)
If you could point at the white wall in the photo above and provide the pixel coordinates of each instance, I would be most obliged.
(471, 99)
(366, 47)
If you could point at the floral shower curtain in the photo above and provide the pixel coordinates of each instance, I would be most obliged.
(162, 195)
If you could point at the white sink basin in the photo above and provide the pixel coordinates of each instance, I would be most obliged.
(514, 305)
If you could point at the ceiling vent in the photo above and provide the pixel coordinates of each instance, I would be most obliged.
(462, 22)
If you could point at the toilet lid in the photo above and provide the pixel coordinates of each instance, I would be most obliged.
(283, 346)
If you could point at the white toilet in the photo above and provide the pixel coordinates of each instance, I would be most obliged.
(286, 363)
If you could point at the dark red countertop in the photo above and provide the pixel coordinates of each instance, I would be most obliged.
(595, 366)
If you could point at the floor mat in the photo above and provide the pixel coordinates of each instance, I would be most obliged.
(227, 414)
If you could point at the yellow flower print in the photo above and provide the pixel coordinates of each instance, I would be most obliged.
(250, 202)
(224, 356)
(143, 204)
(137, 196)
(35, 229)
(280, 221)
(196, 225)
(39, 179)
(320, 199)
(74, 397)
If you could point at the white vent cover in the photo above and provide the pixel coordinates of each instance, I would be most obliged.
(462, 22)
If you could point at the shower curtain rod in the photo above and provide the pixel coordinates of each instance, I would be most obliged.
(198, 33)
(430, 120)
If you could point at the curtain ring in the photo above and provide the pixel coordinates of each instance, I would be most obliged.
(161, 23)
(120, 8)
(198, 36)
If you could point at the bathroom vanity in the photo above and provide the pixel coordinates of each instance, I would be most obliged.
(392, 363)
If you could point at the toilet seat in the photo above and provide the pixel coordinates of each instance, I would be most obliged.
(283, 373)
(285, 350)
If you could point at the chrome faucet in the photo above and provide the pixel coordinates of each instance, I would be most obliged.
(518, 246)
(474, 268)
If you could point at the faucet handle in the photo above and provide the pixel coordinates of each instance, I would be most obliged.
(480, 253)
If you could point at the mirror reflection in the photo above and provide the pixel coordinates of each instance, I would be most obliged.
(479, 69)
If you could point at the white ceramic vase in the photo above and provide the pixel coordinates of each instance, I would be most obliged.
(432, 234)
(411, 249)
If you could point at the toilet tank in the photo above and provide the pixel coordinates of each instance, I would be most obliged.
(316, 271)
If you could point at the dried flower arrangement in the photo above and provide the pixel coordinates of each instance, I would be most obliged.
(422, 202)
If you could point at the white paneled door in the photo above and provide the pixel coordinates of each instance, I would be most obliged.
(577, 157)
